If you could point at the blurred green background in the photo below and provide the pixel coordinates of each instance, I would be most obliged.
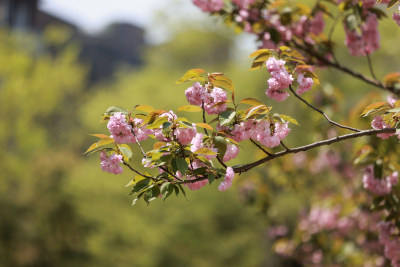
(57, 208)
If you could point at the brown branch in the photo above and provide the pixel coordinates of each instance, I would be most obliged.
(323, 113)
(260, 147)
(344, 69)
(136, 171)
(249, 166)
(371, 69)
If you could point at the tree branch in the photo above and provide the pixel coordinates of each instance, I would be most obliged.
(249, 166)
(323, 113)
(344, 69)
(260, 147)
(137, 172)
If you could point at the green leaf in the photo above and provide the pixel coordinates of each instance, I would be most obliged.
(179, 164)
(221, 144)
(192, 75)
(251, 101)
(105, 141)
(227, 117)
(151, 194)
(114, 109)
(394, 110)
(176, 189)
(392, 3)
(378, 169)
(140, 185)
(166, 189)
(182, 190)
(190, 108)
(289, 119)
(224, 82)
(211, 178)
(261, 109)
(260, 52)
(144, 108)
(372, 108)
(290, 52)
(157, 123)
(257, 65)
(126, 151)
(205, 151)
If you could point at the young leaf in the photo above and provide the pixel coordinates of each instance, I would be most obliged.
(260, 52)
(289, 119)
(373, 108)
(205, 151)
(221, 144)
(192, 75)
(105, 141)
(205, 126)
(251, 101)
(144, 108)
(227, 117)
(224, 82)
(114, 109)
(190, 108)
(126, 151)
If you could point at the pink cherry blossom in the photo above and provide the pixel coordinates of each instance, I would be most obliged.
(196, 94)
(391, 244)
(185, 135)
(224, 185)
(366, 42)
(216, 96)
(197, 143)
(243, 4)
(231, 152)
(317, 24)
(209, 5)
(305, 84)
(378, 186)
(111, 164)
(378, 123)
(396, 17)
(280, 79)
(119, 128)
(195, 185)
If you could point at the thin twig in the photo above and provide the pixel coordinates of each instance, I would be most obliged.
(344, 69)
(323, 113)
(287, 149)
(136, 171)
(260, 147)
(138, 143)
(371, 70)
(221, 162)
(249, 166)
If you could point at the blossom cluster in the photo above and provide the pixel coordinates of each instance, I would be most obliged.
(396, 17)
(366, 42)
(267, 133)
(391, 243)
(111, 164)
(379, 186)
(279, 81)
(213, 102)
(378, 123)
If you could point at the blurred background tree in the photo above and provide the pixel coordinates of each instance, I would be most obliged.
(57, 208)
